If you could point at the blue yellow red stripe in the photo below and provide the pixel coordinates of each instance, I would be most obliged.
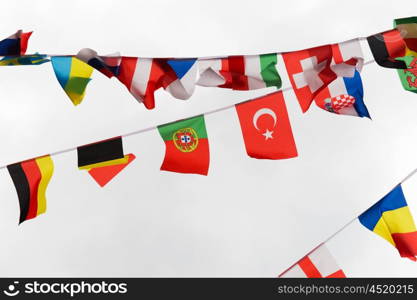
(391, 219)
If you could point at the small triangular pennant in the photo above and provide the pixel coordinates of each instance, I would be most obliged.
(102, 175)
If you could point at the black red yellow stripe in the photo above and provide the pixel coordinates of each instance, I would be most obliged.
(104, 153)
(31, 179)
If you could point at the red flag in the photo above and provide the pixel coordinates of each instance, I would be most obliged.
(266, 128)
(103, 175)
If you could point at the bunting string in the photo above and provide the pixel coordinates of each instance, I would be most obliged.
(204, 113)
(328, 75)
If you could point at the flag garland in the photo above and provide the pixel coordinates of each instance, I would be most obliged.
(329, 76)
(344, 96)
(320, 74)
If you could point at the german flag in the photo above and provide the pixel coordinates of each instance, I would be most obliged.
(101, 154)
(31, 178)
(103, 160)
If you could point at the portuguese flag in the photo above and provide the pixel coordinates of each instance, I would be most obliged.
(186, 146)
(31, 178)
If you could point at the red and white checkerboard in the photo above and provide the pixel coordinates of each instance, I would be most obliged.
(342, 101)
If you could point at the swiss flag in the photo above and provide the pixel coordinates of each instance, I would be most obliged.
(309, 71)
(319, 263)
(266, 128)
(312, 70)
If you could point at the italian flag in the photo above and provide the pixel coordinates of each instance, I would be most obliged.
(186, 146)
(247, 72)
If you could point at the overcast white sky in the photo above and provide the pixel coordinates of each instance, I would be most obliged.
(248, 217)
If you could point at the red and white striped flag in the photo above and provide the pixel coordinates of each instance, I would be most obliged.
(319, 263)
(248, 72)
(142, 77)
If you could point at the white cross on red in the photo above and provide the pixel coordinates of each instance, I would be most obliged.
(310, 74)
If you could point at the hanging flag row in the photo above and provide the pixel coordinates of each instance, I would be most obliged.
(390, 218)
(328, 75)
(265, 127)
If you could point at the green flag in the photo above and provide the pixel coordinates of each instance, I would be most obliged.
(408, 31)
(408, 76)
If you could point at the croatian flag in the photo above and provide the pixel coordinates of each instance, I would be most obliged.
(183, 78)
(344, 96)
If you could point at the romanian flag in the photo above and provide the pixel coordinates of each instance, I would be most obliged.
(186, 146)
(391, 219)
(142, 77)
(15, 44)
(31, 179)
(103, 160)
(73, 75)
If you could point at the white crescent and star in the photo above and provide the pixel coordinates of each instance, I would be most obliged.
(264, 111)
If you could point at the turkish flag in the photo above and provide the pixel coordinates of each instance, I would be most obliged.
(309, 72)
(266, 127)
